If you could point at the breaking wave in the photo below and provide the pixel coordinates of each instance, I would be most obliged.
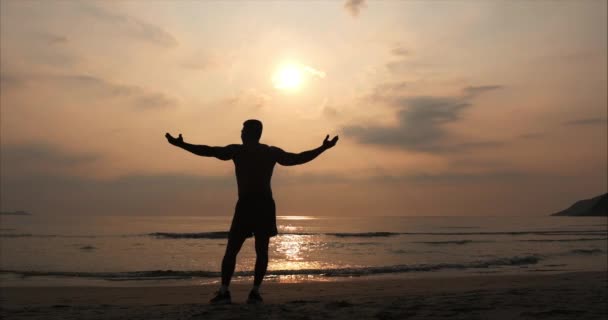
(586, 251)
(564, 240)
(336, 272)
(197, 235)
(375, 234)
(448, 242)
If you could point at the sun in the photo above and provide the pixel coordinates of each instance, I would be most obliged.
(288, 77)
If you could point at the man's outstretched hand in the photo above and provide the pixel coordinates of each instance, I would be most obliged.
(329, 143)
(175, 141)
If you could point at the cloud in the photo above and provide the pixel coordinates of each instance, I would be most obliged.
(48, 49)
(51, 193)
(418, 126)
(48, 193)
(93, 83)
(400, 51)
(406, 65)
(421, 124)
(138, 97)
(472, 91)
(389, 89)
(314, 72)
(460, 178)
(51, 39)
(93, 87)
(131, 26)
(354, 6)
(204, 60)
(10, 81)
(250, 98)
(35, 157)
(197, 65)
(284, 178)
(153, 100)
(531, 135)
(330, 111)
(587, 122)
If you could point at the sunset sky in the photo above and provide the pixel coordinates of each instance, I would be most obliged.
(442, 107)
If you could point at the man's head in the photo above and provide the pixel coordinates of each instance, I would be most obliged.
(252, 131)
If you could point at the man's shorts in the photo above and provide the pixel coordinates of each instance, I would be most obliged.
(254, 216)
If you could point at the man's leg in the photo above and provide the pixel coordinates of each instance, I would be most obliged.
(229, 262)
(261, 260)
(261, 263)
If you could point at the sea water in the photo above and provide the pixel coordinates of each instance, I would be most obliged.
(174, 250)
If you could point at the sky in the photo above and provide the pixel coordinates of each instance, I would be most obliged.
(443, 108)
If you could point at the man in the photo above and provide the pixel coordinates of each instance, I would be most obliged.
(255, 210)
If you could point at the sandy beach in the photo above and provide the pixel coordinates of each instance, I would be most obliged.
(557, 296)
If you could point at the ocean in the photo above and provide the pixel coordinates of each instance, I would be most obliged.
(187, 250)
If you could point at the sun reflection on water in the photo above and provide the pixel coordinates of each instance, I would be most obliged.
(295, 252)
(289, 228)
(297, 278)
(292, 246)
(296, 218)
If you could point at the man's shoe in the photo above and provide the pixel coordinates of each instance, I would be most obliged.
(221, 298)
(254, 298)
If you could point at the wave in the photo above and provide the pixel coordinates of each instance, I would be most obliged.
(363, 234)
(451, 242)
(374, 234)
(563, 240)
(513, 233)
(29, 235)
(223, 234)
(378, 234)
(335, 272)
(197, 235)
(586, 251)
(463, 227)
(482, 233)
(12, 235)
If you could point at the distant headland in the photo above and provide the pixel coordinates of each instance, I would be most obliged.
(594, 207)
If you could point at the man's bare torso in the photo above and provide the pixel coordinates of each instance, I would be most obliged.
(254, 165)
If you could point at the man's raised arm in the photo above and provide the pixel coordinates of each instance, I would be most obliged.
(222, 153)
(292, 159)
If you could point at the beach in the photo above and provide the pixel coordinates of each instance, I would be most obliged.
(580, 295)
(320, 268)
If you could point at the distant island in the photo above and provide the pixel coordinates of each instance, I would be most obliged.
(594, 207)
(15, 213)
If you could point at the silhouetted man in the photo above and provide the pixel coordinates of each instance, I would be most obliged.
(254, 214)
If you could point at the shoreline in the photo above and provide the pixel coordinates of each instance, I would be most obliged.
(581, 295)
(13, 280)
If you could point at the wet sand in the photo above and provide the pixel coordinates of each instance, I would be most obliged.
(535, 296)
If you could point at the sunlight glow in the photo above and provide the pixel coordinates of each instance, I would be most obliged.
(288, 77)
